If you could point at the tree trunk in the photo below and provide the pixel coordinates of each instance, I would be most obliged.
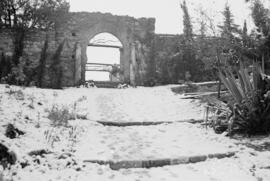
(218, 67)
(19, 44)
(42, 62)
(263, 64)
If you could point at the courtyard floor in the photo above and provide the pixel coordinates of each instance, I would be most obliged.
(155, 138)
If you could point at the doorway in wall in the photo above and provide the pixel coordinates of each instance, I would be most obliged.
(103, 58)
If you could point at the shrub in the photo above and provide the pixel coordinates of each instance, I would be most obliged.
(17, 75)
(115, 70)
(18, 94)
(52, 136)
(60, 115)
(22, 74)
(251, 108)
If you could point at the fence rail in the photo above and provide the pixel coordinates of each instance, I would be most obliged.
(102, 67)
(105, 46)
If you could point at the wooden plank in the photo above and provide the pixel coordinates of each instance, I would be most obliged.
(104, 46)
(100, 67)
(92, 70)
(106, 64)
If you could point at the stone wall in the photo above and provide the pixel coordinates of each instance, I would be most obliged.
(65, 57)
(166, 46)
(145, 55)
(6, 42)
(166, 51)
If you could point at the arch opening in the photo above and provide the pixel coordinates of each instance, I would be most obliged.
(103, 58)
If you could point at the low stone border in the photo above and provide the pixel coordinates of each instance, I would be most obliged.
(124, 124)
(159, 162)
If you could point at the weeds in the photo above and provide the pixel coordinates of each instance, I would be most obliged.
(55, 94)
(54, 135)
(59, 116)
(51, 137)
(31, 99)
(18, 94)
(72, 135)
(38, 121)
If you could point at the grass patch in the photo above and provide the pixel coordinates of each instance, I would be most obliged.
(60, 114)
(18, 94)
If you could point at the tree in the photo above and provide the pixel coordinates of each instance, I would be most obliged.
(245, 35)
(206, 47)
(185, 62)
(229, 28)
(186, 53)
(27, 14)
(261, 18)
(230, 39)
(202, 35)
(188, 30)
(214, 45)
(246, 46)
(21, 16)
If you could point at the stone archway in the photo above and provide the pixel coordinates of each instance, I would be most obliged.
(125, 53)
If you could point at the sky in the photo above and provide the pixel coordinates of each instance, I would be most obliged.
(168, 13)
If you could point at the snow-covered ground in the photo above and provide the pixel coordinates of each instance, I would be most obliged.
(86, 139)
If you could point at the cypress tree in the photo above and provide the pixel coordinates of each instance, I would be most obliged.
(188, 30)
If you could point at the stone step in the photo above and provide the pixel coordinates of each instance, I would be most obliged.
(126, 164)
(148, 123)
(149, 142)
(106, 84)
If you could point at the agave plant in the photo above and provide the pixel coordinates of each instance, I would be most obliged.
(251, 109)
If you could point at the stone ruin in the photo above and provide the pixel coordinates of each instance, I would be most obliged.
(62, 51)
(69, 41)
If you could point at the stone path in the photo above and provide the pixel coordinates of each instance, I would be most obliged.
(137, 105)
(110, 145)
(167, 141)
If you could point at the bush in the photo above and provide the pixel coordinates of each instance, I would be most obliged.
(17, 75)
(18, 94)
(60, 115)
(21, 74)
(115, 70)
(251, 108)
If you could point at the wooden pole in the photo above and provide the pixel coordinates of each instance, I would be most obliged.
(263, 64)
(219, 81)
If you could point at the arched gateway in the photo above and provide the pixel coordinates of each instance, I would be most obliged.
(103, 58)
(136, 36)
